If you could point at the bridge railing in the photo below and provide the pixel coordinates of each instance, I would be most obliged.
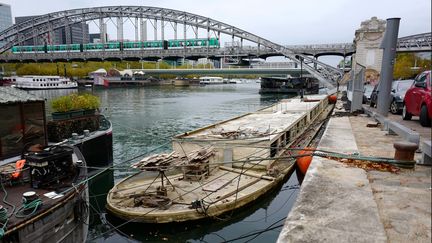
(339, 46)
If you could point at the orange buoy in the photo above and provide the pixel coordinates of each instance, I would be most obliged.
(18, 167)
(332, 99)
(304, 162)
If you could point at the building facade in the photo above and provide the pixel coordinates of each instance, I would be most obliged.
(79, 34)
(5, 18)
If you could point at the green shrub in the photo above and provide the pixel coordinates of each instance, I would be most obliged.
(62, 104)
(75, 102)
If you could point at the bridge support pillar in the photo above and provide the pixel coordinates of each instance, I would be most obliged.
(143, 26)
(102, 30)
(67, 28)
(184, 35)
(85, 37)
(49, 39)
(175, 31)
(196, 28)
(162, 29)
(119, 29)
(136, 29)
(155, 29)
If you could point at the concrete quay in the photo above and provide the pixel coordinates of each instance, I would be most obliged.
(338, 203)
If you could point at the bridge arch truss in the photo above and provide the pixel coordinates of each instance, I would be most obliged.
(47, 23)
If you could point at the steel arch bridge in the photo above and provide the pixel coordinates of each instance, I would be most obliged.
(419, 42)
(44, 24)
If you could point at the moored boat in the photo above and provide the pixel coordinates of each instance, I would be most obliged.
(43, 82)
(44, 188)
(289, 85)
(211, 80)
(91, 134)
(218, 168)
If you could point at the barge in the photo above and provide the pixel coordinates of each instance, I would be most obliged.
(221, 167)
(92, 134)
(44, 188)
(281, 85)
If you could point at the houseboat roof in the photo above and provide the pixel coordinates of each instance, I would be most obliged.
(9, 95)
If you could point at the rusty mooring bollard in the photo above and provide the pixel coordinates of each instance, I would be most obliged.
(405, 150)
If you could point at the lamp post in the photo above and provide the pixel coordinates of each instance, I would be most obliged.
(301, 78)
(389, 53)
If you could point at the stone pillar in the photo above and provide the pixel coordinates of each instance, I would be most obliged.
(368, 53)
(367, 60)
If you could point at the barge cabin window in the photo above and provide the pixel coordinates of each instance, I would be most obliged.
(274, 149)
(21, 124)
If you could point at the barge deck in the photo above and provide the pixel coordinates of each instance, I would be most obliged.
(246, 160)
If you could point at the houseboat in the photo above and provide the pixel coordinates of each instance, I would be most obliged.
(44, 188)
(92, 134)
(221, 167)
(43, 82)
(211, 80)
(283, 85)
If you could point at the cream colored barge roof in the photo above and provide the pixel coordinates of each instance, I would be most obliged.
(268, 122)
(295, 105)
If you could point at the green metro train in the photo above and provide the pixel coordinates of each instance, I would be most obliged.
(119, 46)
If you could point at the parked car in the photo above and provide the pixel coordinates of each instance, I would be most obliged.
(397, 94)
(418, 101)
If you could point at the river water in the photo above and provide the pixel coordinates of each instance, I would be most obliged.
(144, 120)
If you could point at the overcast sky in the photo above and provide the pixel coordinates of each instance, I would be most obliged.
(282, 21)
(286, 22)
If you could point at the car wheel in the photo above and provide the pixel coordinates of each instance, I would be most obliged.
(394, 107)
(405, 114)
(372, 104)
(424, 117)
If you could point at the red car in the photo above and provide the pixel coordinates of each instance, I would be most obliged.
(418, 101)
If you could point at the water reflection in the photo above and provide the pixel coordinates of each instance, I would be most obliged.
(260, 222)
(144, 119)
